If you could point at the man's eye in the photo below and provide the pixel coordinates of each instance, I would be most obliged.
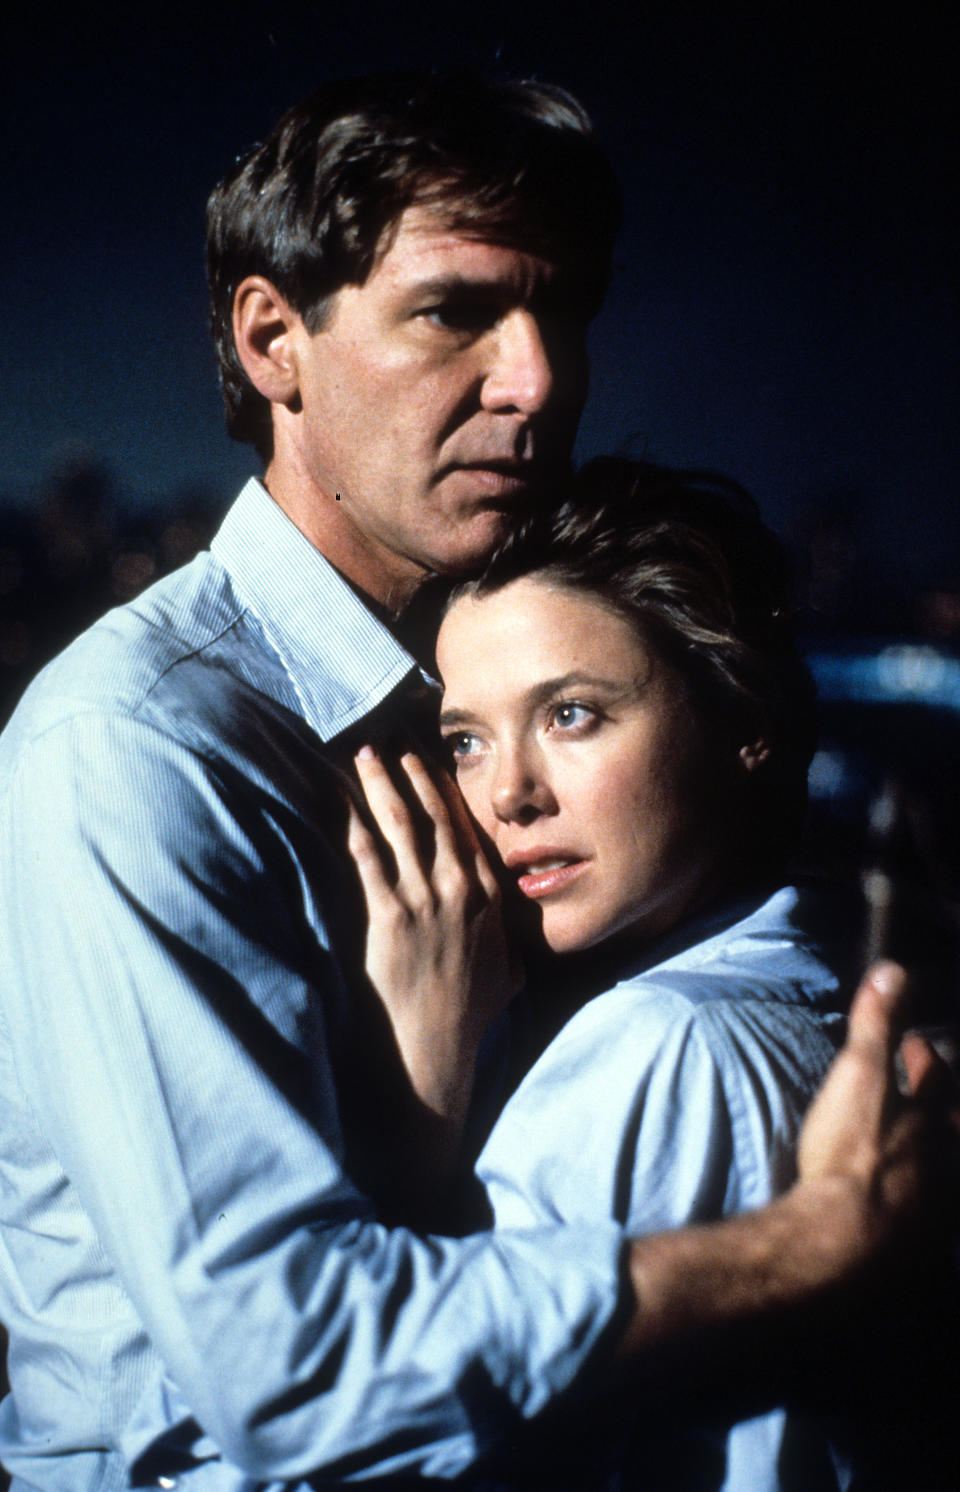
(461, 316)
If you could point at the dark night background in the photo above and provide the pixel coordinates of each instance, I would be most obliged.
(784, 304)
(784, 307)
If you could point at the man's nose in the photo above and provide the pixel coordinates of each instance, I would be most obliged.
(520, 791)
(522, 375)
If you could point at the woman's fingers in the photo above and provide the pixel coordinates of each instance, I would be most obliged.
(463, 830)
(366, 857)
(431, 799)
(432, 838)
(457, 849)
(436, 951)
(395, 822)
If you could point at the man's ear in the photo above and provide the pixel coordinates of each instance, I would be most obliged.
(263, 328)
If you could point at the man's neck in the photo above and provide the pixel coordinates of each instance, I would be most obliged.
(411, 605)
(386, 583)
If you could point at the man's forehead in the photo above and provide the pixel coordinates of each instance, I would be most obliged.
(429, 243)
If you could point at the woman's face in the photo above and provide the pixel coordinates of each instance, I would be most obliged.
(577, 753)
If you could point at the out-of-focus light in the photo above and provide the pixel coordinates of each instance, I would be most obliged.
(906, 673)
(829, 775)
(919, 672)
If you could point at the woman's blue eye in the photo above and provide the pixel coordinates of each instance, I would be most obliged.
(570, 716)
(462, 744)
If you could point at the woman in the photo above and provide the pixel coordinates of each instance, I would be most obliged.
(630, 725)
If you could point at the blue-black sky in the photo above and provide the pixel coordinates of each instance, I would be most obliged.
(784, 304)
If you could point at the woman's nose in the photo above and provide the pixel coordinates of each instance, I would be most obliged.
(520, 789)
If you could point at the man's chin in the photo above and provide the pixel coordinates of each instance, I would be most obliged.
(468, 552)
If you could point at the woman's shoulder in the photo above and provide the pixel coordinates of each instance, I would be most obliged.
(677, 1093)
(778, 960)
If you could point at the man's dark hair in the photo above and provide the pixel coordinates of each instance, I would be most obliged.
(311, 208)
(685, 558)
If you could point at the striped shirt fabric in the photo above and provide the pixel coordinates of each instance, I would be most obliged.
(197, 1293)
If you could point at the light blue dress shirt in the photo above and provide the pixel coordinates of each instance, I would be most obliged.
(187, 1272)
(677, 1097)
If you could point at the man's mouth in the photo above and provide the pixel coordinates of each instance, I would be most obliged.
(500, 478)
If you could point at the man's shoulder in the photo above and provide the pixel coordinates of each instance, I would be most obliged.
(139, 660)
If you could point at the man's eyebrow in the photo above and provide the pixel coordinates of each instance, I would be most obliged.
(456, 283)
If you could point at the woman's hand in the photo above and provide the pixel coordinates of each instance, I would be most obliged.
(436, 952)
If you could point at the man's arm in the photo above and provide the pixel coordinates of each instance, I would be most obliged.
(861, 1164)
(156, 1017)
(860, 1202)
(168, 997)
(861, 1168)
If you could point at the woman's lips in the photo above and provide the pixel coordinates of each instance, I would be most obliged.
(546, 876)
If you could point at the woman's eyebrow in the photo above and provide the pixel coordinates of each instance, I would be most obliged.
(575, 679)
(544, 691)
(457, 717)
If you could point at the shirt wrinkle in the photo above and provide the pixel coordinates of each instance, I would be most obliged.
(677, 1097)
(185, 1254)
(184, 657)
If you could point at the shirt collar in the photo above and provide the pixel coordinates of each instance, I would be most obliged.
(341, 659)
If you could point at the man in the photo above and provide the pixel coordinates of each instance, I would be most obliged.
(197, 1291)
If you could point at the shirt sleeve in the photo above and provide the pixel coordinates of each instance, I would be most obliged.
(155, 1008)
(666, 1102)
(644, 1110)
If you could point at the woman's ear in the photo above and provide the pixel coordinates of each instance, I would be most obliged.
(754, 755)
(264, 327)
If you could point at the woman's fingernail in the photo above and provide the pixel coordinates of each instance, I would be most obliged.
(366, 754)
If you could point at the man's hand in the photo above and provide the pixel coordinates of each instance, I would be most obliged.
(883, 1158)
(871, 1151)
(878, 1184)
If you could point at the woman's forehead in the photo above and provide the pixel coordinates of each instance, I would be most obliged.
(535, 625)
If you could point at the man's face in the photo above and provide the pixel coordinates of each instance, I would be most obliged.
(435, 399)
